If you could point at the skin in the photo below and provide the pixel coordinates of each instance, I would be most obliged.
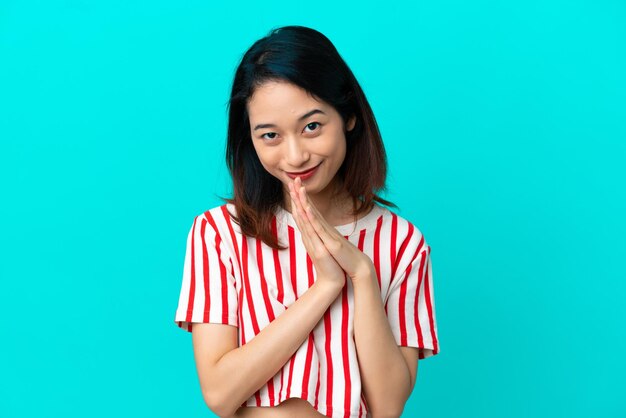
(293, 144)
(388, 371)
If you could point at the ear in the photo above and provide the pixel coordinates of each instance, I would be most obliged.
(351, 122)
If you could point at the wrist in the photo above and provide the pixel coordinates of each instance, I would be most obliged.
(366, 273)
(328, 287)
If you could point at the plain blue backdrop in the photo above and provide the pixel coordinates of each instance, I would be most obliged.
(504, 127)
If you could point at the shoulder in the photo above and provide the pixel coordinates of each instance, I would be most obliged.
(404, 232)
(219, 219)
(219, 213)
(393, 220)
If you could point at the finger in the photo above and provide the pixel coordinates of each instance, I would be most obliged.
(305, 237)
(321, 228)
(300, 192)
(301, 215)
(347, 255)
(326, 232)
(294, 210)
(297, 199)
(297, 208)
(334, 242)
(304, 200)
(309, 237)
(309, 230)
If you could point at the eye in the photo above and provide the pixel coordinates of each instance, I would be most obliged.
(269, 133)
(315, 125)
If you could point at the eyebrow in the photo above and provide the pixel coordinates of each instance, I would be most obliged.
(306, 115)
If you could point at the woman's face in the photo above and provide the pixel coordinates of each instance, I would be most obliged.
(292, 133)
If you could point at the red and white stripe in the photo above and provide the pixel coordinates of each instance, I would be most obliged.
(240, 281)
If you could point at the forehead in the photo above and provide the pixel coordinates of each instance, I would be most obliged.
(276, 101)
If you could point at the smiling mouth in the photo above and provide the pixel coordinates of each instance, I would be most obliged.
(304, 175)
(301, 173)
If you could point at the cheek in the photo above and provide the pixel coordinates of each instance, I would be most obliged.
(338, 145)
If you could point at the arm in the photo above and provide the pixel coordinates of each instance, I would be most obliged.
(388, 371)
(387, 379)
(229, 375)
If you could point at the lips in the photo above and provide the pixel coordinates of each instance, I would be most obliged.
(303, 174)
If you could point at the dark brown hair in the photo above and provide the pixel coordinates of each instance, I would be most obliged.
(306, 58)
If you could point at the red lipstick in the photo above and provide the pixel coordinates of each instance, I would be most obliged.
(303, 174)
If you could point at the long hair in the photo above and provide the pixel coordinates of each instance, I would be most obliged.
(308, 59)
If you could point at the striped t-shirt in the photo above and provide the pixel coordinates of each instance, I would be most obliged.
(245, 283)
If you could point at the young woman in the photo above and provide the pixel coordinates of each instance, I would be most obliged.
(305, 297)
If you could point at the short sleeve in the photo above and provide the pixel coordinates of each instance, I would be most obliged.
(208, 292)
(410, 305)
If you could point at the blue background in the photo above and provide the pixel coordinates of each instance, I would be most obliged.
(504, 127)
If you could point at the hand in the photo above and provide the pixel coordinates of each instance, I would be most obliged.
(352, 260)
(325, 265)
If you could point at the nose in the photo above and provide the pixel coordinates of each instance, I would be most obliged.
(296, 154)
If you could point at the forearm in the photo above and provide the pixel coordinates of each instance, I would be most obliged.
(384, 372)
(244, 370)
